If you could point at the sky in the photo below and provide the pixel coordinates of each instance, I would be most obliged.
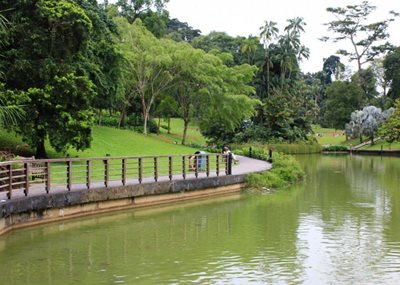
(244, 18)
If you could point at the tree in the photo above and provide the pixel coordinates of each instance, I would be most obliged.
(390, 129)
(166, 109)
(391, 65)
(332, 67)
(10, 114)
(49, 62)
(208, 89)
(366, 122)
(342, 98)
(151, 12)
(366, 38)
(367, 80)
(268, 33)
(181, 31)
(149, 63)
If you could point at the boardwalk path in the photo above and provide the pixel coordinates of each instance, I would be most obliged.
(245, 165)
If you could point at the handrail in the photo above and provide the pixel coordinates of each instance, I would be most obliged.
(33, 176)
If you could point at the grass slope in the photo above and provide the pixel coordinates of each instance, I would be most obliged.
(106, 140)
(193, 136)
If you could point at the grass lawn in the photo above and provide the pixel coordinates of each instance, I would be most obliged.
(193, 136)
(385, 146)
(326, 136)
(106, 140)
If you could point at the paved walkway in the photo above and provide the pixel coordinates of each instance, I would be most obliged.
(245, 165)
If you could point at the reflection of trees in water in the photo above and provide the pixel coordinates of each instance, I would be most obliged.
(351, 207)
(204, 244)
(390, 180)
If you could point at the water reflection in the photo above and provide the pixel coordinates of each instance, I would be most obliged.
(340, 227)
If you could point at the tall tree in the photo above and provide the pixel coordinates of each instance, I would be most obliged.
(181, 31)
(332, 68)
(391, 65)
(48, 62)
(366, 38)
(342, 98)
(268, 33)
(151, 12)
(149, 63)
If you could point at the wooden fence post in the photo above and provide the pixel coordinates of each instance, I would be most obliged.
(140, 170)
(184, 167)
(106, 172)
(123, 171)
(229, 160)
(196, 165)
(88, 173)
(69, 175)
(155, 169)
(170, 169)
(26, 173)
(217, 166)
(208, 165)
(48, 178)
(9, 168)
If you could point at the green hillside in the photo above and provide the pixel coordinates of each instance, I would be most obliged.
(106, 141)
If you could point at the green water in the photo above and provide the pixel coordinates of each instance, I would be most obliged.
(342, 226)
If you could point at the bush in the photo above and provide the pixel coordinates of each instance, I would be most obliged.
(110, 121)
(335, 148)
(285, 171)
(299, 148)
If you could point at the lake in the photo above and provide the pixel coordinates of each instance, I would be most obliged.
(341, 226)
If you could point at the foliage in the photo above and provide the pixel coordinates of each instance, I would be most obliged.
(261, 151)
(367, 81)
(366, 122)
(334, 148)
(342, 98)
(390, 129)
(55, 51)
(391, 66)
(181, 31)
(351, 24)
(285, 171)
(150, 12)
(332, 67)
(149, 65)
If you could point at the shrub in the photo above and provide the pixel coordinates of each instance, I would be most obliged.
(285, 171)
(110, 121)
(335, 148)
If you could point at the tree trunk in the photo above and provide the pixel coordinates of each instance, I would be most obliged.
(169, 126)
(121, 123)
(185, 127)
(145, 118)
(99, 115)
(41, 150)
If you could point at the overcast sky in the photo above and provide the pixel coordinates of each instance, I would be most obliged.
(246, 17)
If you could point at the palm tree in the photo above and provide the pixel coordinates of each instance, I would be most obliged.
(268, 33)
(3, 29)
(9, 115)
(250, 46)
(296, 25)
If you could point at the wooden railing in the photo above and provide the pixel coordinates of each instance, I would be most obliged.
(18, 178)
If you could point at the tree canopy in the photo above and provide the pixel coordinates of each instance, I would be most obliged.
(54, 52)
